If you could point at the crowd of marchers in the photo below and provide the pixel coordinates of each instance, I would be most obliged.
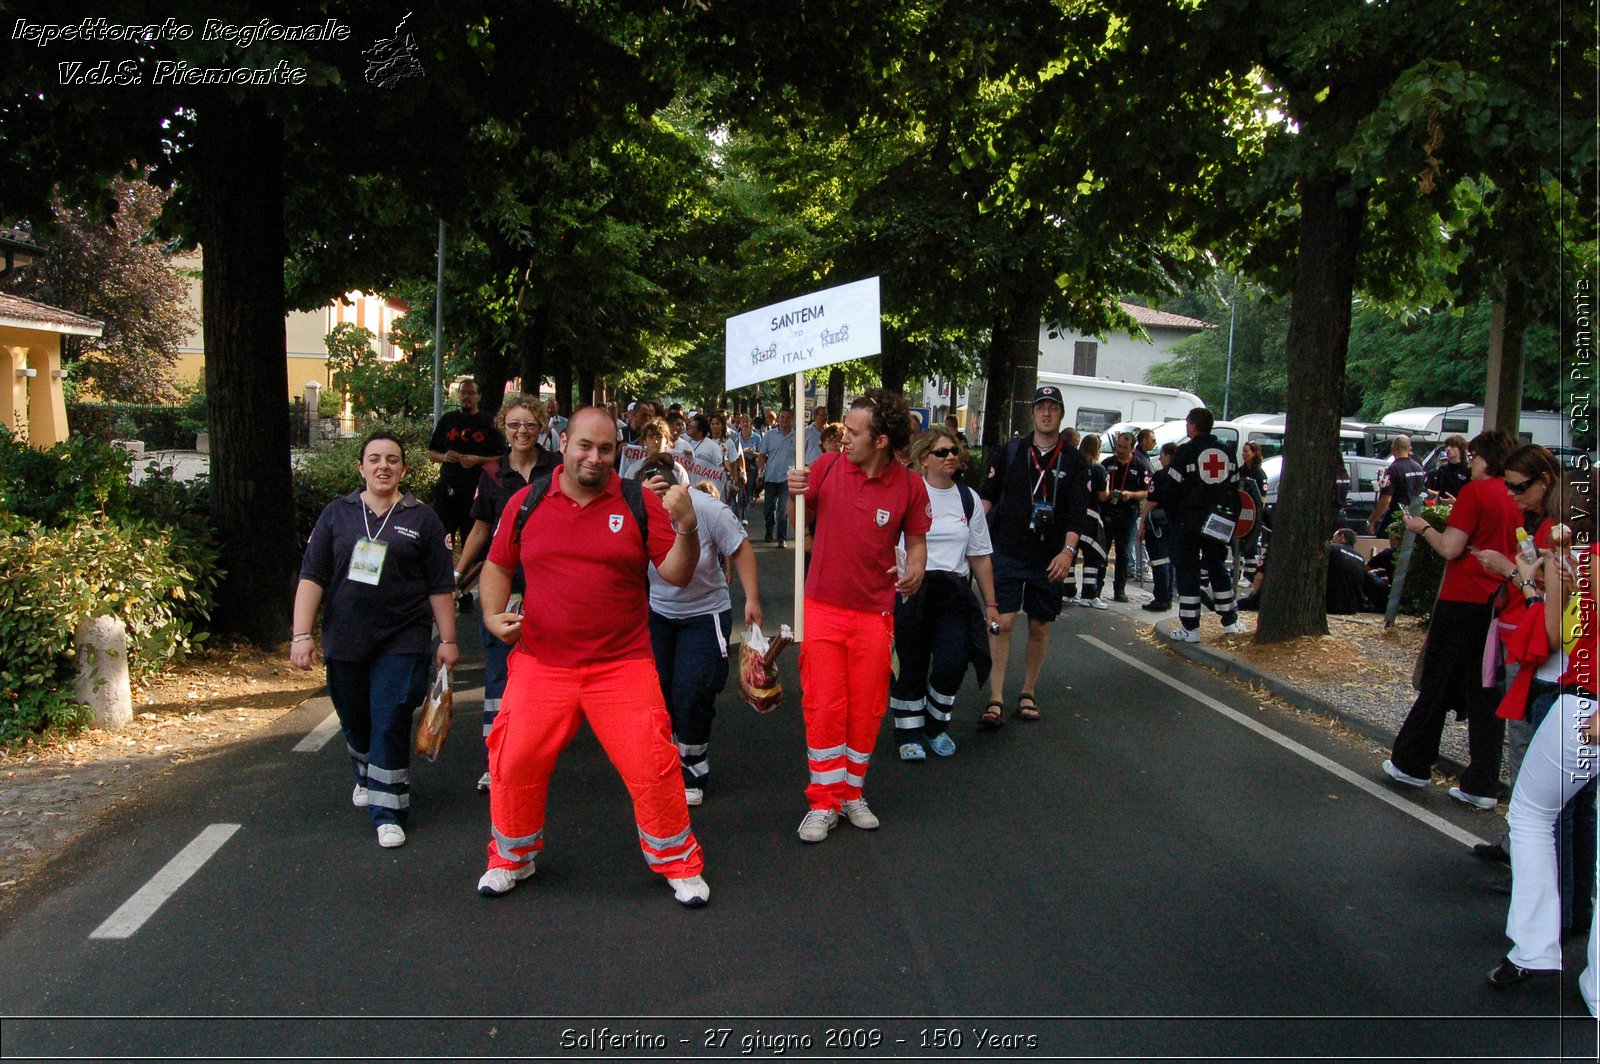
(602, 547)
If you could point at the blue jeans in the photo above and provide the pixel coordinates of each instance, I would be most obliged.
(1122, 533)
(374, 700)
(692, 661)
(777, 499)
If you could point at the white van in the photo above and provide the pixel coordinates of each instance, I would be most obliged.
(1095, 404)
(1549, 428)
(1236, 433)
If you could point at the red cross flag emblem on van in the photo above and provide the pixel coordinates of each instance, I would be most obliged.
(1213, 465)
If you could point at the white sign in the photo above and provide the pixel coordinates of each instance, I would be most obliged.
(834, 325)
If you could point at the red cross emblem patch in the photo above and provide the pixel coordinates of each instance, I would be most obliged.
(1213, 466)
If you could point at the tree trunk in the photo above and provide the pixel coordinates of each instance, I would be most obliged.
(532, 371)
(586, 383)
(563, 374)
(1013, 369)
(894, 363)
(247, 379)
(836, 394)
(491, 369)
(1502, 404)
(1294, 596)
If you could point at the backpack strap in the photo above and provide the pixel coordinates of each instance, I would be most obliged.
(969, 501)
(632, 494)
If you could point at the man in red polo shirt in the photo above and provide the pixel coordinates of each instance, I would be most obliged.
(587, 656)
(859, 502)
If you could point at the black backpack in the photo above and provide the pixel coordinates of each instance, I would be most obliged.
(632, 494)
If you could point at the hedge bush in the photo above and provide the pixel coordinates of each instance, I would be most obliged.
(78, 541)
(162, 428)
(329, 472)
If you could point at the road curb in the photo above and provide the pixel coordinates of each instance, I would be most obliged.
(1224, 663)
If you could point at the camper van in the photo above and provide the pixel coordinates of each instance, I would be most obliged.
(1549, 428)
(1095, 404)
(1364, 438)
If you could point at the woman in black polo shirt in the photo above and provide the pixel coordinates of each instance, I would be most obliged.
(380, 559)
(523, 423)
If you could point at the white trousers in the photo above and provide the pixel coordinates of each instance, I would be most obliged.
(1557, 765)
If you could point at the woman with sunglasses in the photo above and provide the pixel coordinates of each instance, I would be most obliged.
(1483, 518)
(1560, 764)
(941, 629)
(523, 422)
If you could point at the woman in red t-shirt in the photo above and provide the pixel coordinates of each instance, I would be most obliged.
(1484, 517)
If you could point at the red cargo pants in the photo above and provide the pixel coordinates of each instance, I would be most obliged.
(539, 715)
(844, 691)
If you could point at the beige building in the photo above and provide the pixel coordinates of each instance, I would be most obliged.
(33, 404)
(305, 332)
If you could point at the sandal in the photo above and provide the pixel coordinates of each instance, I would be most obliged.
(1027, 707)
(994, 715)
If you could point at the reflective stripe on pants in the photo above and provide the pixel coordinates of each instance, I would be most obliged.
(539, 715)
(844, 683)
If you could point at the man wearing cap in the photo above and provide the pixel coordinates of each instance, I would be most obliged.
(1036, 494)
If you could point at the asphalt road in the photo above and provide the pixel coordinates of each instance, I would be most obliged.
(1160, 868)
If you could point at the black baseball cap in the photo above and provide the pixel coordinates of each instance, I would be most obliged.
(1050, 392)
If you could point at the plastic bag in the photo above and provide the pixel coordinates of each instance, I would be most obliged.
(758, 669)
(436, 716)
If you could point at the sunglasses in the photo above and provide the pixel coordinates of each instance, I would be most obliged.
(1518, 489)
(522, 426)
(944, 452)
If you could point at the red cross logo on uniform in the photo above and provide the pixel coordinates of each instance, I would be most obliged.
(1213, 466)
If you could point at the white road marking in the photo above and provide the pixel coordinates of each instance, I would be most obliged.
(1371, 787)
(165, 883)
(318, 737)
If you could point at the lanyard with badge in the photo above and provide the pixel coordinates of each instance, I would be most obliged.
(366, 562)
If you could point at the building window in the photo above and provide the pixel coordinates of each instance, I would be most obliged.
(1083, 357)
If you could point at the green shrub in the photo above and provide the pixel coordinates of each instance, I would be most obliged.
(329, 472)
(77, 541)
(52, 579)
(73, 479)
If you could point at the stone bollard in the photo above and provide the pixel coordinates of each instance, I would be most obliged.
(102, 684)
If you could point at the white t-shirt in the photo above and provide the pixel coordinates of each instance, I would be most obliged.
(721, 533)
(952, 539)
(703, 461)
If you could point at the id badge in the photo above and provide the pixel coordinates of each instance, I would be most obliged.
(366, 562)
(1219, 528)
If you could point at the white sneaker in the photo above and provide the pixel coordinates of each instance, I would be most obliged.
(1236, 628)
(1086, 603)
(358, 797)
(1401, 777)
(1477, 801)
(498, 881)
(856, 811)
(1097, 602)
(691, 891)
(817, 824)
(1180, 634)
(391, 835)
(483, 783)
(694, 795)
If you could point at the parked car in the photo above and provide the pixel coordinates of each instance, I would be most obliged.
(1363, 487)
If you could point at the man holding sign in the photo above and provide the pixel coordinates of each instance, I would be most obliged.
(859, 502)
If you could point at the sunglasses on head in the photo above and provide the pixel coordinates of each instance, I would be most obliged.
(944, 452)
(1518, 489)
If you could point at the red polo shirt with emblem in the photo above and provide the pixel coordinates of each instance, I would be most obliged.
(588, 564)
(858, 520)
